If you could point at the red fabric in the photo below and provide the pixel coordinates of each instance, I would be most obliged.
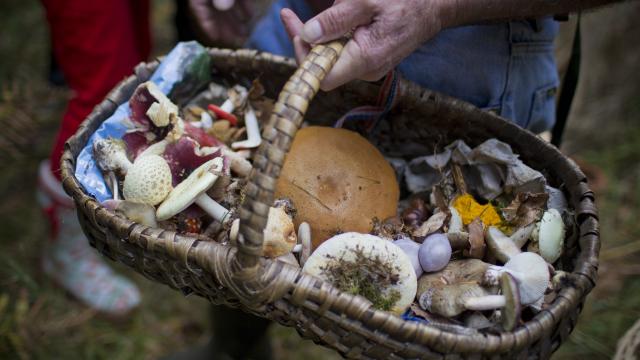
(96, 44)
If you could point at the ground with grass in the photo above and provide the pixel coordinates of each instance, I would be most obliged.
(38, 320)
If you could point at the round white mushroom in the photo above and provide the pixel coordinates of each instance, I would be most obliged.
(367, 261)
(148, 180)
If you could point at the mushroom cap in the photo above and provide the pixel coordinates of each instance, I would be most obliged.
(532, 274)
(279, 234)
(411, 249)
(148, 180)
(337, 181)
(434, 253)
(339, 246)
(109, 153)
(550, 235)
(511, 311)
(185, 193)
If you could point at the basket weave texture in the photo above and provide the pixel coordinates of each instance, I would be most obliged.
(421, 122)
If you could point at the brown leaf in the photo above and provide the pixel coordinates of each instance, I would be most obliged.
(525, 208)
(476, 240)
(433, 224)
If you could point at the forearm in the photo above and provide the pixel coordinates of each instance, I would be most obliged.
(464, 12)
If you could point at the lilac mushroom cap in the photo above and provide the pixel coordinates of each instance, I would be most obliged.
(434, 253)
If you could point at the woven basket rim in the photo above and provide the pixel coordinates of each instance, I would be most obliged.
(524, 335)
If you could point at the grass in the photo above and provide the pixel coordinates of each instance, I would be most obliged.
(39, 320)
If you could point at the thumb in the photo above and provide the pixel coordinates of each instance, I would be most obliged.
(337, 21)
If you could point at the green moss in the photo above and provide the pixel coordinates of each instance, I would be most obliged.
(365, 275)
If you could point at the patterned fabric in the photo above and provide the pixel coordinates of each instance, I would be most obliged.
(71, 262)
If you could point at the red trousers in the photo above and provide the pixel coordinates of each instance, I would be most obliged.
(96, 44)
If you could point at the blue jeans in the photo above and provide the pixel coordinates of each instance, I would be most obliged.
(508, 67)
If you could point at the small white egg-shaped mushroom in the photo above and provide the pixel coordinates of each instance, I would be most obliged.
(549, 235)
(148, 180)
(346, 248)
(411, 249)
(434, 253)
(279, 235)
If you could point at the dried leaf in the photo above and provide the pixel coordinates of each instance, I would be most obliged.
(476, 240)
(525, 209)
(433, 224)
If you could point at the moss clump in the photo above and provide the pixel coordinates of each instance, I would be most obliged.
(365, 275)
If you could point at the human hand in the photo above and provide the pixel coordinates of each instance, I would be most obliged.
(224, 23)
(385, 33)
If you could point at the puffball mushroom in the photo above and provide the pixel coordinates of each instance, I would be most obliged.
(548, 236)
(148, 180)
(338, 181)
(531, 273)
(193, 190)
(434, 253)
(366, 265)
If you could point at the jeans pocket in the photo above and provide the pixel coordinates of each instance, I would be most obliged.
(543, 108)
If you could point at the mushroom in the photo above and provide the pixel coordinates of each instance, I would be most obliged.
(253, 131)
(150, 105)
(434, 253)
(346, 188)
(111, 155)
(194, 190)
(366, 265)
(234, 231)
(522, 235)
(304, 248)
(548, 236)
(288, 258)
(144, 214)
(279, 234)
(411, 249)
(500, 245)
(445, 291)
(531, 273)
(509, 302)
(148, 180)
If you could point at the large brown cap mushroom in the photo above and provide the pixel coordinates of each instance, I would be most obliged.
(338, 181)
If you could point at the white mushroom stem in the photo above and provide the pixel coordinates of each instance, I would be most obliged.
(455, 224)
(238, 163)
(205, 123)
(522, 235)
(114, 185)
(253, 132)
(234, 231)
(502, 247)
(488, 302)
(227, 106)
(304, 247)
(212, 208)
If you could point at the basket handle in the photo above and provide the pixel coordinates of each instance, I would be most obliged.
(286, 118)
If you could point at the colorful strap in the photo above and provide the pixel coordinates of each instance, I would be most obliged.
(368, 117)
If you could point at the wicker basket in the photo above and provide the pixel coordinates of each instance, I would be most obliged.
(421, 121)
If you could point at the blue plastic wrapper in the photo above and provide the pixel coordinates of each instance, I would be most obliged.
(185, 70)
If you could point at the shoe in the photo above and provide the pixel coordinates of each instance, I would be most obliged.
(71, 262)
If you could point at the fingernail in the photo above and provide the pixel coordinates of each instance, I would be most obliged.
(312, 31)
